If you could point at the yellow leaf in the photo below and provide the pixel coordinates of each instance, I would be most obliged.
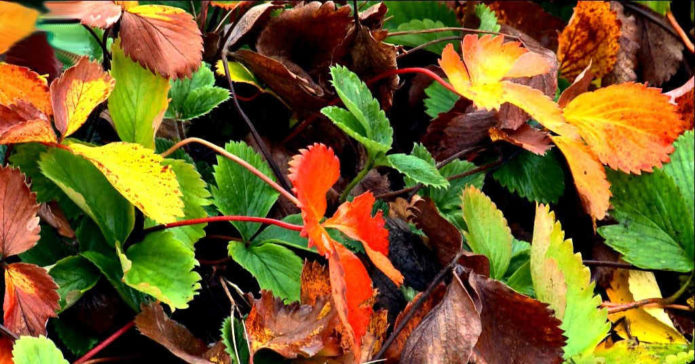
(645, 324)
(590, 37)
(16, 22)
(77, 92)
(21, 83)
(589, 176)
(629, 126)
(137, 173)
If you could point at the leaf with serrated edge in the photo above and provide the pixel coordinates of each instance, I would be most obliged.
(31, 350)
(534, 177)
(21, 83)
(195, 96)
(30, 299)
(417, 169)
(74, 276)
(19, 226)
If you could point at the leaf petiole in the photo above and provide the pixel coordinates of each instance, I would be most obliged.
(204, 220)
(357, 179)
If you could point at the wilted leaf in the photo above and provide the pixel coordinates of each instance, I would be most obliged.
(100, 14)
(16, 22)
(138, 101)
(534, 177)
(19, 230)
(138, 174)
(51, 214)
(248, 22)
(561, 280)
(444, 238)
(34, 52)
(30, 299)
(29, 350)
(77, 92)
(683, 97)
(163, 39)
(590, 37)
(626, 60)
(21, 83)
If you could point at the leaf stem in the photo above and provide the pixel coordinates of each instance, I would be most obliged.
(681, 33)
(346, 192)
(105, 343)
(427, 44)
(661, 302)
(449, 29)
(236, 159)
(204, 220)
(620, 265)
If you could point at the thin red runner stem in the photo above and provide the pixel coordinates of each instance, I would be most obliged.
(105, 343)
(419, 70)
(262, 220)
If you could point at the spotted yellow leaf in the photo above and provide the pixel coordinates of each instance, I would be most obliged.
(138, 174)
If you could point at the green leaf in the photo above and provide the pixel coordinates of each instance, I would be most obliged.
(110, 267)
(76, 339)
(230, 337)
(291, 238)
(488, 232)
(682, 168)
(419, 170)
(238, 73)
(195, 96)
(240, 192)
(655, 229)
(48, 250)
(138, 101)
(521, 253)
(73, 38)
(488, 19)
(521, 280)
(91, 191)
(561, 280)
(404, 11)
(275, 267)
(439, 99)
(448, 200)
(631, 352)
(365, 121)
(31, 350)
(416, 39)
(26, 157)
(151, 265)
(74, 276)
(533, 177)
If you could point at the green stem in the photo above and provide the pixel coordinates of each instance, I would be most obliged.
(357, 179)
(672, 298)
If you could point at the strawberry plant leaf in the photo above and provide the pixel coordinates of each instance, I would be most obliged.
(91, 191)
(72, 39)
(48, 250)
(290, 238)
(681, 167)
(439, 99)
(448, 199)
(74, 338)
(139, 100)
(488, 233)
(28, 350)
(26, 157)
(417, 169)
(74, 276)
(533, 177)
(30, 299)
(240, 192)
(414, 40)
(632, 351)
(195, 96)
(110, 267)
(16, 22)
(149, 265)
(237, 336)
(488, 19)
(400, 12)
(275, 267)
(19, 226)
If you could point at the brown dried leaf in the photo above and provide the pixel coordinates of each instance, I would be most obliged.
(444, 238)
(34, 52)
(527, 137)
(579, 86)
(449, 332)
(373, 16)
(248, 22)
(629, 41)
(30, 299)
(530, 18)
(290, 330)
(163, 39)
(19, 226)
(155, 324)
(52, 214)
(683, 97)
(315, 283)
(660, 53)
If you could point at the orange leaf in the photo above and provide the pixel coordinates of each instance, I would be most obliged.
(527, 137)
(630, 126)
(591, 36)
(22, 123)
(352, 293)
(6, 345)
(227, 5)
(77, 92)
(19, 226)
(99, 14)
(315, 283)
(589, 176)
(163, 39)
(21, 83)
(684, 98)
(16, 22)
(30, 299)
(355, 220)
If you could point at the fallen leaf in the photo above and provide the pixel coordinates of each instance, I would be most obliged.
(527, 137)
(16, 22)
(530, 18)
(683, 97)
(444, 238)
(77, 92)
(660, 52)
(21, 83)
(30, 299)
(51, 213)
(590, 37)
(19, 230)
(626, 60)
(315, 283)
(579, 86)
(163, 39)
(248, 22)
(99, 14)
(36, 53)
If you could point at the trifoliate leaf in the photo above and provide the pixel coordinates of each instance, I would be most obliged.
(534, 177)
(195, 96)
(31, 350)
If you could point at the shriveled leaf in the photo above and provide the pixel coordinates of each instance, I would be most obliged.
(629, 126)
(240, 192)
(195, 96)
(149, 265)
(488, 232)
(590, 37)
(101, 14)
(626, 63)
(530, 18)
(91, 191)
(163, 39)
(74, 276)
(276, 268)
(77, 92)
(21, 83)
(444, 238)
(660, 54)
(138, 174)
(30, 299)
(16, 22)
(249, 22)
(457, 130)
(534, 177)
(29, 350)
(138, 101)
(155, 324)
(561, 280)
(291, 331)
(51, 214)
(417, 169)
(19, 230)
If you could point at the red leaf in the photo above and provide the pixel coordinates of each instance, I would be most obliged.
(19, 226)
(36, 53)
(6, 344)
(100, 14)
(30, 299)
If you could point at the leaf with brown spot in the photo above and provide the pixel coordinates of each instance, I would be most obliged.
(99, 14)
(626, 62)
(530, 18)
(527, 137)
(22, 123)
(155, 324)
(315, 283)
(30, 299)
(591, 36)
(36, 53)
(19, 225)
(444, 238)
(163, 39)
(290, 330)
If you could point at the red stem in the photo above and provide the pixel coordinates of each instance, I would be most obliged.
(262, 220)
(105, 343)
